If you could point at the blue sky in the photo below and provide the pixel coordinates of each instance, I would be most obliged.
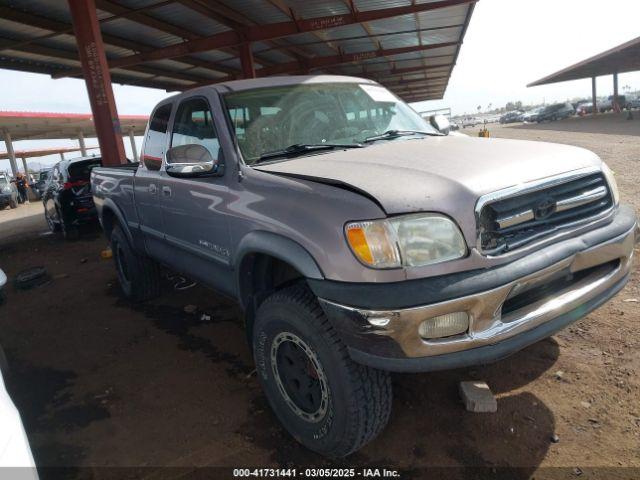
(509, 43)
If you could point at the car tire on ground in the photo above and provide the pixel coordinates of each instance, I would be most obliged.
(325, 400)
(139, 276)
(13, 204)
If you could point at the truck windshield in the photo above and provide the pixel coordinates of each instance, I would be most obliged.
(275, 118)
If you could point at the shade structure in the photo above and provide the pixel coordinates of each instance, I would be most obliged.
(620, 59)
(178, 44)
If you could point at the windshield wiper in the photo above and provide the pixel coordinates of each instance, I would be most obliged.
(302, 148)
(390, 134)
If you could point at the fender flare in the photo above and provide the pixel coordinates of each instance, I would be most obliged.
(109, 204)
(279, 247)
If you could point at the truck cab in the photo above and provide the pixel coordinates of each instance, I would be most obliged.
(360, 239)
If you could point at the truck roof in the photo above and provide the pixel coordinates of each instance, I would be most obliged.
(250, 83)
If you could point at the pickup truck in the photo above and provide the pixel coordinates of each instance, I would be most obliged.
(361, 239)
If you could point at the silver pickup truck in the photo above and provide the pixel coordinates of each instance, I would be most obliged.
(360, 239)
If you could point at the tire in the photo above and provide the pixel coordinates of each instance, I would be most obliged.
(13, 204)
(31, 278)
(69, 232)
(139, 276)
(53, 226)
(342, 405)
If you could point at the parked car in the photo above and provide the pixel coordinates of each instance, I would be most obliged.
(557, 111)
(584, 108)
(633, 102)
(531, 116)
(8, 192)
(607, 104)
(358, 244)
(41, 181)
(511, 117)
(67, 199)
(469, 122)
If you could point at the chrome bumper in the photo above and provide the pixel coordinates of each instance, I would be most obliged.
(609, 263)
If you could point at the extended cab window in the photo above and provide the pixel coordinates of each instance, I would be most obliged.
(194, 125)
(156, 137)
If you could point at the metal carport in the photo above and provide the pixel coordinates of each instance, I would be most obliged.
(411, 46)
(620, 59)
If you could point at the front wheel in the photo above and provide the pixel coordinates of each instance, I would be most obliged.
(325, 400)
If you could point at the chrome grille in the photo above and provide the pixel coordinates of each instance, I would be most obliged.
(518, 219)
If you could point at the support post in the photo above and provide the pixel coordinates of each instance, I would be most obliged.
(594, 95)
(81, 144)
(24, 165)
(132, 138)
(98, 79)
(12, 156)
(616, 102)
(246, 60)
(61, 155)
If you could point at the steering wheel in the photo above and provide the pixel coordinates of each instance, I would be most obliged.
(310, 122)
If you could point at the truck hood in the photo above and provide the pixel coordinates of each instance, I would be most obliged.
(440, 174)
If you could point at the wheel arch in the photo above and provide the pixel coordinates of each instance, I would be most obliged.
(265, 262)
(110, 216)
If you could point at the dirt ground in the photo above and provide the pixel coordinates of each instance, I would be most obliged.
(101, 382)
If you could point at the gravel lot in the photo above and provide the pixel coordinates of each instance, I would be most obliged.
(102, 382)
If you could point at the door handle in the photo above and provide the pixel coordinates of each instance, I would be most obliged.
(166, 191)
(153, 189)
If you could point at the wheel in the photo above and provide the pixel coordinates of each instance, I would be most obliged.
(69, 232)
(53, 226)
(325, 400)
(139, 276)
(13, 204)
(31, 278)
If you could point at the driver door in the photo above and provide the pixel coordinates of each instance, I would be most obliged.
(194, 209)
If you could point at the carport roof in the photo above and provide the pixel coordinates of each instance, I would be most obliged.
(411, 46)
(44, 125)
(623, 58)
(42, 152)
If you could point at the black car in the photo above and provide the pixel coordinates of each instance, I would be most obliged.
(8, 193)
(557, 111)
(67, 199)
(38, 187)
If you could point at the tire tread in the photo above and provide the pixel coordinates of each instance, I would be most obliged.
(370, 406)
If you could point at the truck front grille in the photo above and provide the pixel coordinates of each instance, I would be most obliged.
(516, 220)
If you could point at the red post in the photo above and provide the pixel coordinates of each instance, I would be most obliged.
(246, 60)
(98, 79)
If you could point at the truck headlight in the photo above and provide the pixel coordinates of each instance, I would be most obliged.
(611, 180)
(409, 240)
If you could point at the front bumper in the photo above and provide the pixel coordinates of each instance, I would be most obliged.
(515, 309)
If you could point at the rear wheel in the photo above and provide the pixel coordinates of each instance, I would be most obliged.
(69, 232)
(326, 401)
(139, 276)
(51, 223)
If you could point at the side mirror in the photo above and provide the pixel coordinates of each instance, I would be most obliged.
(191, 161)
(440, 123)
